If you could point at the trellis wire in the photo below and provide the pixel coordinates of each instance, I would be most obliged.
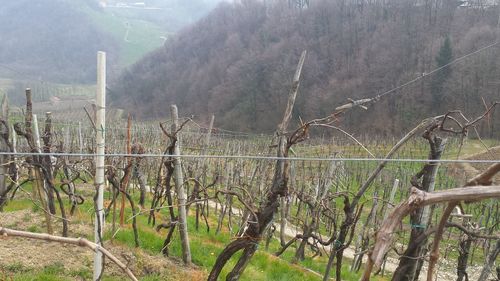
(256, 157)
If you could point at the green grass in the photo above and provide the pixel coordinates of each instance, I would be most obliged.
(83, 273)
(34, 229)
(41, 276)
(205, 248)
(54, 269)
(16, 267)
(21, 204)
(264, 266)
(142, 38)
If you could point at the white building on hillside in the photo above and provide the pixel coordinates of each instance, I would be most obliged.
(478, 3)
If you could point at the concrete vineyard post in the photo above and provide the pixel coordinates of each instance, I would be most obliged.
(100, 150)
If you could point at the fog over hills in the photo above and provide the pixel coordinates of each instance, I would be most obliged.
(49, 40)
(238, 61)
(57, 40)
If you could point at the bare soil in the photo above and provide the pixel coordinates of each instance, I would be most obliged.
(36, 255)
(466, 171)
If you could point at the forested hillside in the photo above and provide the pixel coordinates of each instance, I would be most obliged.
(238, 61)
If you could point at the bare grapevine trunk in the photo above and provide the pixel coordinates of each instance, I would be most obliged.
(25, 130)
(343, 240)
(463, 258)
(269, 207)
(490, 261)
(411, 261)
(4, 147)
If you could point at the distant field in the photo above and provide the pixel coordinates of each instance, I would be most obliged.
(42, 91)
(63, 100)
(142, 36)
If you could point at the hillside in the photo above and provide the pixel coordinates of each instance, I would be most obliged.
(57, 40)
(238, 61)
(143, 26)
(49, 40)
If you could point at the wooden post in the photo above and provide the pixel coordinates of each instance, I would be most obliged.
(80, 139)
(36, 134)
(411, 261)
(389, 207)
(204, 149)
(14, 141)
(14, 146)
(203, 172)
(269, 207)
(209, 134)
(99, 175)
(179, 186)
(125, 181)
(4, 147)
(391, 198)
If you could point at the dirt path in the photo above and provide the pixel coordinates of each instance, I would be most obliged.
(292, 230)
(469, 169)
(392, 263)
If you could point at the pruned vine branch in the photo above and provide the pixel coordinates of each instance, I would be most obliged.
(82, 242)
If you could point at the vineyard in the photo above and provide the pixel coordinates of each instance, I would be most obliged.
(184, 199)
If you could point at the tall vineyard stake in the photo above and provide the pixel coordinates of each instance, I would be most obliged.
(14, 150)
(80, 139)
(4, 147)
(265, 214)
(390, 206)
(14, 140)
(179, 187)
(99, 163)
(204, 165)
(391, 198)
(37, 133)
(125, 181)
(43, 191)
(205, 147)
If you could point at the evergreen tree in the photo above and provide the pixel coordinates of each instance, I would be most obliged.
(443, 58)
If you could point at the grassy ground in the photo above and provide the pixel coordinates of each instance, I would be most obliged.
(205, 247)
